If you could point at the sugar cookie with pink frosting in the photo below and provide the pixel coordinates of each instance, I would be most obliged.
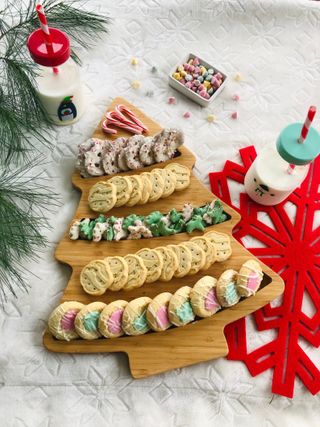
(157, 312)
(86, 322)
(110, 321)
(61, 321)
(203, 297)
(249, 278)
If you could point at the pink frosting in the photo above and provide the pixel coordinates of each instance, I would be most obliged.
(114, 322)
(67, 321)
(253, 281)
(210, 302)
(162, 317)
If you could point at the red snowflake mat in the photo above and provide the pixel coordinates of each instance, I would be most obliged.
(292, 249)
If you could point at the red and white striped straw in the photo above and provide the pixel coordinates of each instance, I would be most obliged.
(304, 132)
(45, 30)
(305, 129)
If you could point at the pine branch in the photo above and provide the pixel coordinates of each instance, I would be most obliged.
(21, 112)
(25, 198)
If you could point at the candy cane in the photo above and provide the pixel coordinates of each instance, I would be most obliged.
(127, 125)
(123, 109)
(120, 118)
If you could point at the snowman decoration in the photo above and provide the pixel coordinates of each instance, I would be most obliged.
(67, 110)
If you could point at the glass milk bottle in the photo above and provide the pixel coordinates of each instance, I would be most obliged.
(58, 82)
(278, 171)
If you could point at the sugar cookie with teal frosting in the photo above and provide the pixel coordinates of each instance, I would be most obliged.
(86, 322)
(157, 312)
(249, 278)
(227, 293)
(203, 297)
(134, 319)
(110, 320)
(180, 309)
(62, 319)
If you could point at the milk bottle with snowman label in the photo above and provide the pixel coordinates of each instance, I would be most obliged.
(58, 82)
(278, 171)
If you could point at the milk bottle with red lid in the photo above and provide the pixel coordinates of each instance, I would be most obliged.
(58, 82)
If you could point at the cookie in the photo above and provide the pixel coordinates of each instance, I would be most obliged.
(119, 233)
(157, 186)
(136, 193)
(180, 309)
(203, 297)
(86, 322)
(137, 272)
(119, 269)
(109, 158)
(92, 164)
(226, 289)
(123, 189)
(222, 243)
(208, 248)
(170, 263)
(102, 196)
(157, 312)
(198, 257)
(121, 161)
(61, 320)
(182, 174)
(96, 277)
(146, 152)
(249, 278)
(170, 181)
(110, 320)
(146, 188)
(134, 319)
(74, 231)
(153, 262)
(138, 231)
(184, 259)
(132, 150)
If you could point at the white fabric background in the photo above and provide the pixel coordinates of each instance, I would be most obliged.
(275, 45)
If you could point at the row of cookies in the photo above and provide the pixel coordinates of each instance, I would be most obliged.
(71, 320)
(138, 189)
(145, 226)
(98, 157)
(149, 265)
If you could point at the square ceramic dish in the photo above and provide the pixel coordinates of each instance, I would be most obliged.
(188, 92)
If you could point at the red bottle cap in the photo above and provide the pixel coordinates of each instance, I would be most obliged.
(49, 57)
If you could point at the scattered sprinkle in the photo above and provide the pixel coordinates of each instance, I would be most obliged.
(172, 100)
(186, 115)
(236, 97)
(211, 118)
(234, 115)
(134, 61)
(154, 69)
(238, 77)
(135, 84)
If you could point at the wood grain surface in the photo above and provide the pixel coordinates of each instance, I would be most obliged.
(157, 352)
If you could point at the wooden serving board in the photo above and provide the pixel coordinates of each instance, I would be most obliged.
(157, 352)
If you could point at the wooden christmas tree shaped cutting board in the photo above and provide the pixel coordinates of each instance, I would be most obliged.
(157, 352)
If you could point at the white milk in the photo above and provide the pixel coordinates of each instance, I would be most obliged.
(54, 88)
(268, 182)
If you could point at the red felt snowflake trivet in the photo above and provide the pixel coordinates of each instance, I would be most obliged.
(291, 247)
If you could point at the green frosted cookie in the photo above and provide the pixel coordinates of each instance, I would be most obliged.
(153, 218)
(174, 216)
(130, 220)
(195, 223)
(86, 229)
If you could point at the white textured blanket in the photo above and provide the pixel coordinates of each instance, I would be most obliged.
(275, 45)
